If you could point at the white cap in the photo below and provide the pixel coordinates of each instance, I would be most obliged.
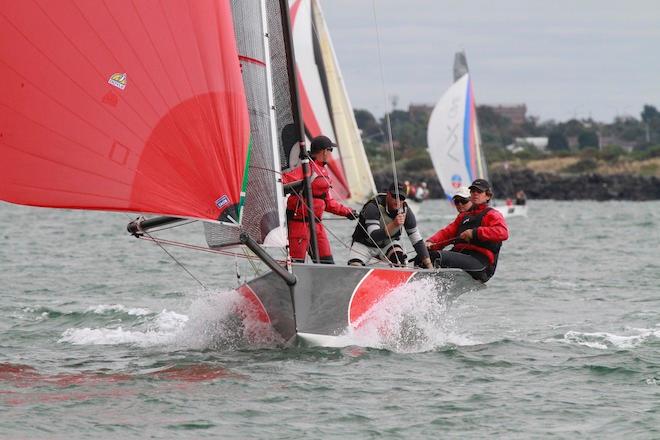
(463, 191)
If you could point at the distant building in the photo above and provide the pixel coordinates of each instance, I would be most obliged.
(615, 140)
(519, 144)
(420, 109)
(516, 113)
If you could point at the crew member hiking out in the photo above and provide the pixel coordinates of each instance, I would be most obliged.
(379, 229)
(477, 236)
(297, 212)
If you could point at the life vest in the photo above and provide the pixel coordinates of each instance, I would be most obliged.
(471, 221)
(360, 234)
(296, 210)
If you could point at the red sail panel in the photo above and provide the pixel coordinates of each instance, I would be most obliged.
(130, 105)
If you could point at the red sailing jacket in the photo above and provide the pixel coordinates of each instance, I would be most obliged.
(492, 228)
(321, 193)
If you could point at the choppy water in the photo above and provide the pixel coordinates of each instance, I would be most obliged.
(103, 336)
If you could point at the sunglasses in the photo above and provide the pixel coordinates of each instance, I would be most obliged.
(329, 149)
(460, 201)
(401, 196)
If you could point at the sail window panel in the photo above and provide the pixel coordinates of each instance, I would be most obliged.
(260, 210)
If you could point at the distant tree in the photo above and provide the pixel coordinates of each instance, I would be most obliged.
(367, 123)
(364, 119)
(571, 128)
(531, 127)
(625, 128)
(612, 153)
(588, 138)
(488, 118)
(650, 113)
(557, 142)
(409, 132)
(651, 120)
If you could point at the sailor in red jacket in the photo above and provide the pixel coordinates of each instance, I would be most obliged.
(477, 235)
(297, 214)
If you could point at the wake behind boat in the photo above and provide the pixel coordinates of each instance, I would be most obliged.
(197, 127)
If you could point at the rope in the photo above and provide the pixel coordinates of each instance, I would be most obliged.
(384, 93)
(178, 262)
(200, 248)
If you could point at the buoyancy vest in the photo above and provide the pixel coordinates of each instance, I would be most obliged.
(472, 221)
(360, 234)
(296, 207)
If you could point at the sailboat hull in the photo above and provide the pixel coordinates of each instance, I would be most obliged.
(329, 301)
(512, 211)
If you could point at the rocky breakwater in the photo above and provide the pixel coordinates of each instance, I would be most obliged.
(548, 185)
(585, 186)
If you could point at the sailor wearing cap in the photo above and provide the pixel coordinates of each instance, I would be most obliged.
(379, 229)
(297, 212)
(477, 235)
(461, 199)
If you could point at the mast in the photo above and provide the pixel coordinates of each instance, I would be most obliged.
(300, 127)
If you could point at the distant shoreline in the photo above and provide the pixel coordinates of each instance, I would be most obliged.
(553, 186)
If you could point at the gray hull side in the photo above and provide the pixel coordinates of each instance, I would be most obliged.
(323, 294)
(275, 296)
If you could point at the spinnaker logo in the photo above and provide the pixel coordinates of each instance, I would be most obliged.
(118, 80)
(222, 201)
(456, 181)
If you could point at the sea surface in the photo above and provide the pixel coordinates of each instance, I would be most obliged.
(105, 336)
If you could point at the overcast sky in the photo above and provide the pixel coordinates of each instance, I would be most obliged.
(561, 58)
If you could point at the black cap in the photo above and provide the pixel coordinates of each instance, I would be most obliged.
(481, 184)
(402, 190)
(321, 143)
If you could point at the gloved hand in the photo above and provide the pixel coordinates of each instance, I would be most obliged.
(426, 262)
(353, 215)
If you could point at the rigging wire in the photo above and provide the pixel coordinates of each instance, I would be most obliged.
(384, 93)
(387, 116)
(178, 262)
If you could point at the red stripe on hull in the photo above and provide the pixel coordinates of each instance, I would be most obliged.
(375, 286)
(258, 307)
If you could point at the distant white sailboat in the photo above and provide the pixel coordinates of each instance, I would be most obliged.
(454, 140)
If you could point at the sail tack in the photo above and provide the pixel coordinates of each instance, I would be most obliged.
(122, 106)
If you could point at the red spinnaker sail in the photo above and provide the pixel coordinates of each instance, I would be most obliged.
(129, 105)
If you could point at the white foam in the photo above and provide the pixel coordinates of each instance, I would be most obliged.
(211, 321)
(604, 340)
(412, 318)
(214, 323)
(109, 308)
(162, 330)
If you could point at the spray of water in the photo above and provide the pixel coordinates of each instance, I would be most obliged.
(412, 318)
(225, 321)
(220, 321)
